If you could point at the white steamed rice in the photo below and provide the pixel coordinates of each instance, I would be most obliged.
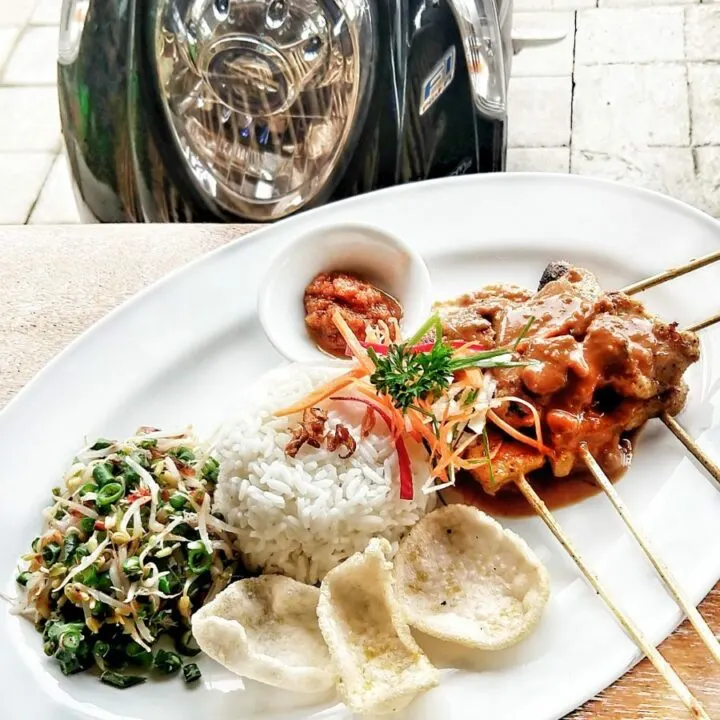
(302, 516)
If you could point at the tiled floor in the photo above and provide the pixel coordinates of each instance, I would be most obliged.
(640, 101)
(632, 94)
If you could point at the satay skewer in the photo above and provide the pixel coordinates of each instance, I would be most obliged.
(669, 421)
(698, 622)
(693, 705)
(669, 674)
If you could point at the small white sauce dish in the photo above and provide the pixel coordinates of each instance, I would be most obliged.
(382, 259)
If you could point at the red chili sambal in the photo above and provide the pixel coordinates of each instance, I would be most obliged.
(361, 303)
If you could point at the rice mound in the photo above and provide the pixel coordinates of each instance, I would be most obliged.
(302, 516)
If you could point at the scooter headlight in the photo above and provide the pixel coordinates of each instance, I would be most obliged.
(262, 95)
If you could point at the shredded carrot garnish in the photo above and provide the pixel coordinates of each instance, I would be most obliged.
(396, 419)
(323, 392)
(453, 457)
(472, 377)
(533, 410)
(354, 345)
(471, 464)
(459, 417)
(416, 419)
(516, 434)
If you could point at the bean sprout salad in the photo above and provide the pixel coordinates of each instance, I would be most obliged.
(129, 552)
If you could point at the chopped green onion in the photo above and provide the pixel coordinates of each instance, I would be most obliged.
(486, 448)
(101, 444)
(35, 544)
(80, 552)
(71, 640)
(87, 525)
(120, 681)
(186, 644)
(433, 322)
(100, 650)
(88, 576)
(130, 477)
(164, 585)
(109, 494)
(87, 488)
(69, 547)
(524, 332)
(103, 474)
(199, 559)
(178, 501)
(147, 444)
(191, 673)
(22, 578)
(183, 454)
(167, 662)
(138, 655)
(51, 553)
(131, 567)
(101, 610)
(104, 581)
(211, 470)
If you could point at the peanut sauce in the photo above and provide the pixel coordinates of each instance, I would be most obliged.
(510, 503)
(361, 303)
(598, 365)
(556, 493)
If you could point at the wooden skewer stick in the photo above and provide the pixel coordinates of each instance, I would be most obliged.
(681, 434)
(693, 705)
(704, 323)
(671, 274)
(697, 620)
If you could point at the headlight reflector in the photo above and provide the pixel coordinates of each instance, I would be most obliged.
(262, 95)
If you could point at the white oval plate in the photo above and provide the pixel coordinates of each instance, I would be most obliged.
(180, 353)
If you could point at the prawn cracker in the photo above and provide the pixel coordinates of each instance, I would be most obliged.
(462, 578)
(381, 667)
(266, 629)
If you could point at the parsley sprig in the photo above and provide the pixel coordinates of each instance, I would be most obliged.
(407, 376)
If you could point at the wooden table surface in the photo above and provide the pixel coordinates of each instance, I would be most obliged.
(56, 281)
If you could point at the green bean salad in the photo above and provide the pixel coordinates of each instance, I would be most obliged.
(129, 552)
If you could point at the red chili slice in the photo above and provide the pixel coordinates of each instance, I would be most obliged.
(406, 478)
(423, 347)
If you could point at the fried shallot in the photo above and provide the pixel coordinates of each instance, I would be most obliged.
(312, 430)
